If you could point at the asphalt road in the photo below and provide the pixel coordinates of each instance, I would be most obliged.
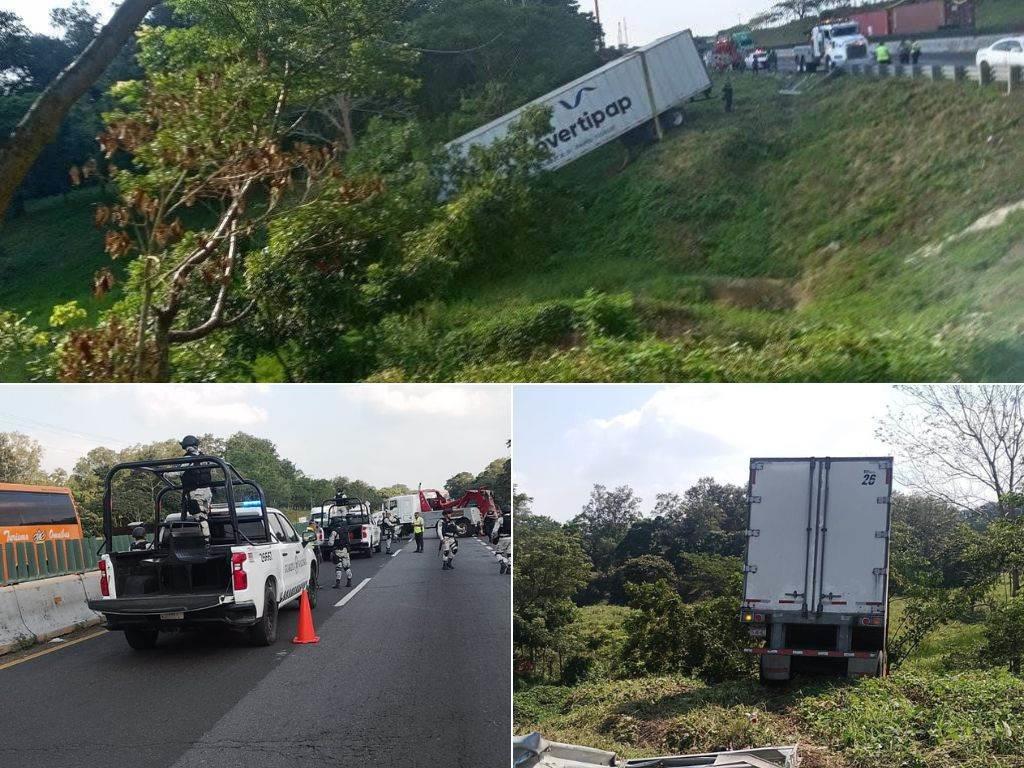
(413, 670)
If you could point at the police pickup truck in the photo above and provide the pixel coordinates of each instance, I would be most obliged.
(350, 518)
(232, 563)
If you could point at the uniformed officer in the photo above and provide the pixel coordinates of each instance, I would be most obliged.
(139, 538)
(388, 529)
(338, 542)
(449, 544)
(202, 495)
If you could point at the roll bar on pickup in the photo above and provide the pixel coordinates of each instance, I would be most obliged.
(171, 474)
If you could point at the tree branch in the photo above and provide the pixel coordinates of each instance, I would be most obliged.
(41, 123)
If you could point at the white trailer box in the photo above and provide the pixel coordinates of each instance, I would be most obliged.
(816, 580)
(610, 101)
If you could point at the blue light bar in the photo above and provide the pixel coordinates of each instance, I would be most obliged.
(248, 504)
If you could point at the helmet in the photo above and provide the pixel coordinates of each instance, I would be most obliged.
(138, 532)
(189, 441)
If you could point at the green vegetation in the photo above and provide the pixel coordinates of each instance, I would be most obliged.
(910, 719)
(780, 244)
(629, 636)
(799, 239)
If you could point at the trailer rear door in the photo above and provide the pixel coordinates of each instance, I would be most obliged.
(778, 557)
(854, 536)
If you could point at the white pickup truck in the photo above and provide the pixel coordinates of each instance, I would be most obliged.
(234, 565)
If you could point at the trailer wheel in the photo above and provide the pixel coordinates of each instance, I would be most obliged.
(462, 527)
(673, 119)
(141, 639)
(264, 631)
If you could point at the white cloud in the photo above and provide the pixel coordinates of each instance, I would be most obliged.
(446, 400)
(185, 405)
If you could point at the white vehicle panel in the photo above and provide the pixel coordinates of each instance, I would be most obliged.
(854, 549)
(779, 496)
(608, 102)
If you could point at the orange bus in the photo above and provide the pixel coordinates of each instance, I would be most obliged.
(35, 515)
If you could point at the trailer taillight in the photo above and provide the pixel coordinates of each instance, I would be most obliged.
(758, 617)
(239, 577)
(871, 621)
(104, 583)
(748, 617)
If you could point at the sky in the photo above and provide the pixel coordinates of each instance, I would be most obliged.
(646, 19)
(381, 434)
(663, 439)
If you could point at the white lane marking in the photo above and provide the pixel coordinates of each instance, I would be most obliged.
(396, 554)
(351, 594)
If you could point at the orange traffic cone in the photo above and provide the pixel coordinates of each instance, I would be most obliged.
(306, 632)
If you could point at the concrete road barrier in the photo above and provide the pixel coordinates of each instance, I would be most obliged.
(13, 632)
(53, 607)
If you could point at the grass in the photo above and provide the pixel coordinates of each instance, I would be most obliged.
(781, 243)
(909, 719)
(790, 241)
(50, 255)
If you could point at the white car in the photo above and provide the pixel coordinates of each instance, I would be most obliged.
(1009, 51)
(760, 56)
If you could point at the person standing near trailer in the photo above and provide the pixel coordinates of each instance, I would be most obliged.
(448, 546)
(727, 96)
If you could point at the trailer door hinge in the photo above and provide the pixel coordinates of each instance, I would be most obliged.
(882, 500)
(750, 569)
(881, 534)
(880, 571)
(755, 499)
(753, 533)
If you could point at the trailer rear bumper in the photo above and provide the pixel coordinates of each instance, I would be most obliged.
(811, 653)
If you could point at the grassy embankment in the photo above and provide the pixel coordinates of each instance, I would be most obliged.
(789, 241)
(783, 242)
(918, 717)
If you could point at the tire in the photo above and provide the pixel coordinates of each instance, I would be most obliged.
(141, 639)
(462, 527)
(313, 587)
(264, 631)
(673, 120)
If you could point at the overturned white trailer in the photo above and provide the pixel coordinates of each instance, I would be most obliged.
(609, 102)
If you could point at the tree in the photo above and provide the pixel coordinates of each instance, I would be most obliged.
(21, 459)
(459, 484)
(497, 477)
(962, 445)
(604, 521)
(551, 568)
(666, 636)
(42, 121)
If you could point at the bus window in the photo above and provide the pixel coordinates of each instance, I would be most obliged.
(37, 514)
(31, 508)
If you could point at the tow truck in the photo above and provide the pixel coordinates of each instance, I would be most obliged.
(217, 559)
(352, 518)
(474, 508)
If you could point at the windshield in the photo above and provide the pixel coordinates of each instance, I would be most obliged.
(849, 30)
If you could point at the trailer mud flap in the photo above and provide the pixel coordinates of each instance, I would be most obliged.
(775, 667)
